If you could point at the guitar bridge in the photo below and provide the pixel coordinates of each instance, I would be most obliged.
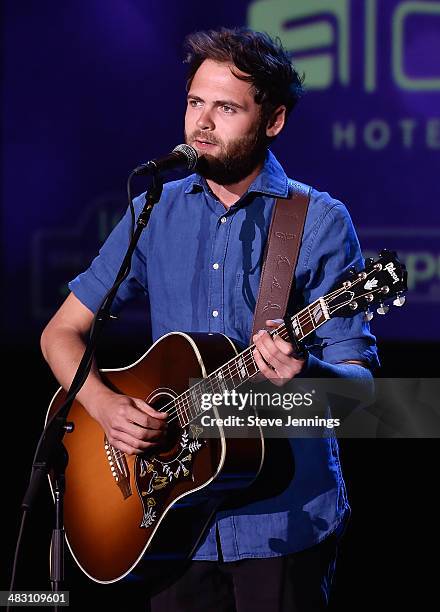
(119, 468)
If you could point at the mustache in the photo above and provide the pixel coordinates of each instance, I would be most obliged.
(204, 138)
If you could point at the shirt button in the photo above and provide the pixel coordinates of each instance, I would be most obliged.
(223, 219)
(215, 266)
(215, 313)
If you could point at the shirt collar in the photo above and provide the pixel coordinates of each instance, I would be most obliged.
(271, 181)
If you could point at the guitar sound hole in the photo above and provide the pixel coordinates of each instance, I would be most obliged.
(170, 445)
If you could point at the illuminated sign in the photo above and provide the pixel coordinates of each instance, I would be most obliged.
(318, 33)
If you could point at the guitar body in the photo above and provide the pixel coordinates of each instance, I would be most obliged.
(150, 511)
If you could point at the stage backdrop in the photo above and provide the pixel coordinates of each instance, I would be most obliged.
(90, 89)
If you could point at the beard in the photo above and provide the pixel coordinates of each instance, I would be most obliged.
(236, 159)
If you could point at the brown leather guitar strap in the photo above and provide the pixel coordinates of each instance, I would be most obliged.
(281, 255)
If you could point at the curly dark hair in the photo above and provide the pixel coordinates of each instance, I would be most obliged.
(274, 79)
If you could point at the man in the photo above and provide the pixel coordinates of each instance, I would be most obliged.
(199, 262)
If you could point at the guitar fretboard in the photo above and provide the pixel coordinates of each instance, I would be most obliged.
(243, 367)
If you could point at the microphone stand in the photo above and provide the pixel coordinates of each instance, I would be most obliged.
(51, 455)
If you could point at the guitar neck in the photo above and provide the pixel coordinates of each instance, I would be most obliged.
(242, 368)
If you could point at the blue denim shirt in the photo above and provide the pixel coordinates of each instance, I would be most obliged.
(204, 276)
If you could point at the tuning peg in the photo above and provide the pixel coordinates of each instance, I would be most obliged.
(400, 300)
(368, 315)
(382, 309)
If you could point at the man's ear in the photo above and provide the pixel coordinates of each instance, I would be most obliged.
(276, 122)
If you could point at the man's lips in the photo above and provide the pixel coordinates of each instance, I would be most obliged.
(204, 144)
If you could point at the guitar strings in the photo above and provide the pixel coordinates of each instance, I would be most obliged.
(246, 356)
(181, 404)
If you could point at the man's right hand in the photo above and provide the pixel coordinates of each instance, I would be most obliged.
(130, 424)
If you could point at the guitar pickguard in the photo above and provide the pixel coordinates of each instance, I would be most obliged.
(153, 474)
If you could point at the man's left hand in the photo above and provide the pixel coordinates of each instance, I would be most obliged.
(275, 357)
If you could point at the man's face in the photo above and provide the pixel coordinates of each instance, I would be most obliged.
(223, 123)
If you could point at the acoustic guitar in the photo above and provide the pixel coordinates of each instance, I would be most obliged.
(146, 513)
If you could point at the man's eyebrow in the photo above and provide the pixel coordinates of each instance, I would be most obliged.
(218, 102)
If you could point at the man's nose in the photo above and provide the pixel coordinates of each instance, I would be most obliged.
(205, 120)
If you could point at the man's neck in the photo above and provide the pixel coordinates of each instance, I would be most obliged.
(230, 194)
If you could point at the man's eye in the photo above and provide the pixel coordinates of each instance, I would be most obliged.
(194, 103)
(228, 109)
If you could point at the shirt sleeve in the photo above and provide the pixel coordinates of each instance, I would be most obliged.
(91, 286)
(334, 249)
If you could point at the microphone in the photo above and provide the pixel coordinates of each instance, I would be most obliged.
(181, 156)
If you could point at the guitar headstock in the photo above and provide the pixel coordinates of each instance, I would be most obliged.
(381, 280)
